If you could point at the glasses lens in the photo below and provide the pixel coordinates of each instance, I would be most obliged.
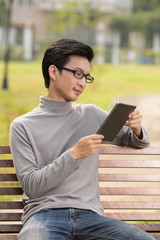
(89, 79)
(79, 74)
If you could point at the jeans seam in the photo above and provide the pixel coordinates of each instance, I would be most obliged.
(101, 236)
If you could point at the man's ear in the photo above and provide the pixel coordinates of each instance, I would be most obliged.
(52, 71)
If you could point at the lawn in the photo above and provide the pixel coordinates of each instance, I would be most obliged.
(26, 85)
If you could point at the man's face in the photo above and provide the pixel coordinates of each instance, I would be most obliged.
(66, 86)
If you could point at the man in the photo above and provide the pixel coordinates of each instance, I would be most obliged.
(55, 152)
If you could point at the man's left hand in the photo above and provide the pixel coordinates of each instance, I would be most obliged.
(134, 122)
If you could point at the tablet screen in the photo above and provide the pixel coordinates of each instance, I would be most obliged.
(115, 120)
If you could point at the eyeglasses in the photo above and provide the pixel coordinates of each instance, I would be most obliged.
(79, 74)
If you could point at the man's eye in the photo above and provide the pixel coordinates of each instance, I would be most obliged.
(79, 74)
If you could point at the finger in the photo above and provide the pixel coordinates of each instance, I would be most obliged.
(94, 143)
(136, 111)
(100, 137)
(135, 119)
(134, 114)
(95, 136)
(133, 123)
(97, 142)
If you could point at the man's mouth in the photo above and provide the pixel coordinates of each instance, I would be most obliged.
(78, 92)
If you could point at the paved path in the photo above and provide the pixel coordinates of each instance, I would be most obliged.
(149, 105)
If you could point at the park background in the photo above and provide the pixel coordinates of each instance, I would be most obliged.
(125, 36)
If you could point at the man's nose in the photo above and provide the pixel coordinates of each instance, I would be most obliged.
(82, 82)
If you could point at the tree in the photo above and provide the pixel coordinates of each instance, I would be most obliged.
(123, 24)
(2, 13)
(143, 5)
(145, 20)
(74, 19)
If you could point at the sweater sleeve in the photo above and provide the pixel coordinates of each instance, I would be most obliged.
(126, 137)
(37, 181)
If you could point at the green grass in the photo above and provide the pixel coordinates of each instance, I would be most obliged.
(26, 85)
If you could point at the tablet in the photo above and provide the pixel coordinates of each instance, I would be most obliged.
(115, 121)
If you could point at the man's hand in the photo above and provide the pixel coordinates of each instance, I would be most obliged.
(134, 122)
(86, 146)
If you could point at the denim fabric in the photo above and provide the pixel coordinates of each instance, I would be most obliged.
(77, 224)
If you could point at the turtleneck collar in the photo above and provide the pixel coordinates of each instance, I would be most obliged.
(54, 106)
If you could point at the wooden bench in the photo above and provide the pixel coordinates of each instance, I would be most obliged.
(129, 185)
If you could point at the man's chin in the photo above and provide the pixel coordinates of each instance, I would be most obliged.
(72, 99)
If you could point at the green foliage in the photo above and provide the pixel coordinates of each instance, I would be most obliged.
(122, 23)
(154, 22)
(140, 21)
(146, 22)
(2, 13)
(90, 16)
(136, 22)
(143, 5)
(72, 17)
(66, 18)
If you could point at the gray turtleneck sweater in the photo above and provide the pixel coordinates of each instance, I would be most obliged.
(40, 141)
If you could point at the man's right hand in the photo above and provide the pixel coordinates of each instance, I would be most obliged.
(86, 146)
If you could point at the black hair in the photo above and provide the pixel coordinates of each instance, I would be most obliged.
(59, 52)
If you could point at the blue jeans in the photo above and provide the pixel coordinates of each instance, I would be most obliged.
(78, 224)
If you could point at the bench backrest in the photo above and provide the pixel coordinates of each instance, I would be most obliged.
(10, 197)
(130, 185)
(129, 182)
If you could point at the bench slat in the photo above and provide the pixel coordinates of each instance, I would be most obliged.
(6, 228)
(149, 227)
(5, 163)
(129, 177)
(134, 216)
(11, 191)
(5, 150)
(8, 237)
(10, 216)
(8, 177)
(130, 205)
(11, 205)
(107, 149)
(129, 191)
(111, 163)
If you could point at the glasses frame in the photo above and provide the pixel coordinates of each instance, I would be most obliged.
(89, 79)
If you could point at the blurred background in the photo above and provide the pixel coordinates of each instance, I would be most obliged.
(125, 36)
